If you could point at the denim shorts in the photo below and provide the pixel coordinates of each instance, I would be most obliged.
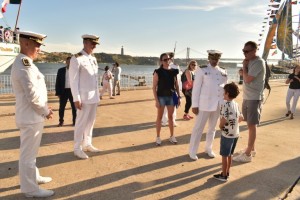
(227, 146)
(165, 100)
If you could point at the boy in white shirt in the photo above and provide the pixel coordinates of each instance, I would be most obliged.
(230, 116)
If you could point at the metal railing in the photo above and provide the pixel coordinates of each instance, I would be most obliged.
(128, 82)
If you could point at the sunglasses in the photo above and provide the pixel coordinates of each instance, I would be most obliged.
(247, 51)
(193, 65)
(166, 59)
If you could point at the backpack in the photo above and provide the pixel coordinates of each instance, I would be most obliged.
(267, 78)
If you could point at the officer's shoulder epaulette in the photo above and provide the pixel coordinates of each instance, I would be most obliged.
(222, 68)
(93, 55)
(203, 66)
(26, 62)
(78, 55)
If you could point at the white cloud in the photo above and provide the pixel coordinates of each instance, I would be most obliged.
(205, 5)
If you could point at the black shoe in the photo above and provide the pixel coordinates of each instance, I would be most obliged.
(118, 94)
(60, 124)
(220, 177)
(288, 113)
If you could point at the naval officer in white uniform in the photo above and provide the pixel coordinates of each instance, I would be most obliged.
(83, 74)
(31, 110)
(207, 96)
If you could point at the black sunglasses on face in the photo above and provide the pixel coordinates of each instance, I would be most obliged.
(166, 59)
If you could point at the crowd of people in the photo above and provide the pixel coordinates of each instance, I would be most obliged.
(9, 36)
(205, 89)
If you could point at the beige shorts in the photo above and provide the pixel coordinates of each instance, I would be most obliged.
(251, 110)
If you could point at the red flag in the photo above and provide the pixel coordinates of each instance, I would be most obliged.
(6, 2)
(294, 2)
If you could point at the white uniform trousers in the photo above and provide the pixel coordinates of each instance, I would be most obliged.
(200, 122)
(31, 136)
(292, 93)
(85, 120)
(165, 119)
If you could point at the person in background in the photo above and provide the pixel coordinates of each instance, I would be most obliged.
(83, 74)
(187, 88)
(254, 73)
(107, 83)
(293, 91)
(117, 78)
(207, 97)
(165, 115)
(230, 117)
(31, 110)
(164, 84)
(1, 34)
(63, 91)
(16, 36)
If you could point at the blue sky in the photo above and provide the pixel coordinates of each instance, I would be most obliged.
(145, 27)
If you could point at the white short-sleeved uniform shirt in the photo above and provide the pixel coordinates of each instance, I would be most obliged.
(230, 111)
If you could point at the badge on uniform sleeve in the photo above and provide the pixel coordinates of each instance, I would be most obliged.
(26, 62)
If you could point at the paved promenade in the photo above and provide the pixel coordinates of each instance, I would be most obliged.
(132, 167)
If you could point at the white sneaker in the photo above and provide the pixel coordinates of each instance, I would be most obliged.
(173, 140)
(193, 157)
(164, 124)
(242, 158)
(80, 154)
(211, 154)
(158, 141)
(91, 148)
(43, 180)
(175, 124)
(253, 153)
(41, 193)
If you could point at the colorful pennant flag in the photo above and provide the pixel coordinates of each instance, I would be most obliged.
(275, 6)
(273, 46)
(6, 2)
(275, 52)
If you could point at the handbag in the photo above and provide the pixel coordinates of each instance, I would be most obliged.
(187, 85)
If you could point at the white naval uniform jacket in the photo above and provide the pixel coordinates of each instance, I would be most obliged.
(208, 87)
(30, 90)
(83, 74)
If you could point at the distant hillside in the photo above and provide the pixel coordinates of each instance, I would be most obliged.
(59, 57)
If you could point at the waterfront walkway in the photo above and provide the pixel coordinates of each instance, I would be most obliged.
(132, 167)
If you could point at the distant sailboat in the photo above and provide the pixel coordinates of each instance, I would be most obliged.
(9, 47)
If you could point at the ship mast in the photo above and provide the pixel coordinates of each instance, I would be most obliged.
(18, 15)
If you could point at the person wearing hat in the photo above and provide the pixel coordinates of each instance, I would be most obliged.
(83, 75)
(207, 98)
(31, 110)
